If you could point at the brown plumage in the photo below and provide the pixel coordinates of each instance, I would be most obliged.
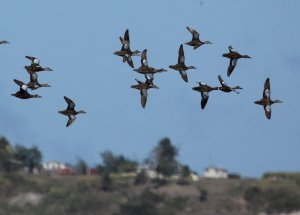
(70, 111)
(22, 93)
(266, 101)
(204, 89)
(233, 55)
(125, 51)
(34, 84)
(180, 66)
(143, 88)
(195, 42)
(35, 66)
(225, 88)
(144, 68)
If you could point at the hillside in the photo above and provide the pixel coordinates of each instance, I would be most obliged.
(37, 194)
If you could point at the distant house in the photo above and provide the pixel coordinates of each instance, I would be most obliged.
(58, 168)
(215, 172)
(151, 173)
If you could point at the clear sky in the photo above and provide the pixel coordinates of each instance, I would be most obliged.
(77, 40)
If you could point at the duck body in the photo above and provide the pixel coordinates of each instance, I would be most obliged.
(143, 88)
(204, 89)
(22, 93)
(180, 66)
(266, 101)
(225, 88)
(233, 55)
(36, 68)
(125, 51)
(4, 42)
(70, 111)
(144, 68)
(34, 84)
(196, 42)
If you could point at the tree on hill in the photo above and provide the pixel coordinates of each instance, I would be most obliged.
(81, 166)
(117, 163)
(164, 158)
(6, 155)
(29, 157)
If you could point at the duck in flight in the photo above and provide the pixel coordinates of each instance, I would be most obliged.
(35, 66)
(204, 89)
(125, 51)
(225, 88)
(4, 42)
(180, 66)
(266, 101)
(195, 42)
(22, 93)
(233, 55)
(34, 84)
(70, 111)
(143, 88)
(144, 68)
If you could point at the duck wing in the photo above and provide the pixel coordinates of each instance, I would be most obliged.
(184, 75)
(129, 61)
(194, 33)
(144, 61)
(33, 77)
(267, 89)
(204, 99)
(71, 104)
(70, 120)
(181, 57)
(268, 111)
(126, 41)
(231, 66)
(222, 82)
(144, 95)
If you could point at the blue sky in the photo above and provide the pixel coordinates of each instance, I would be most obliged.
(77, 38)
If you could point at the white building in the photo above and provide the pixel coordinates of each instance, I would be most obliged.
(215, 172)
(54, 166)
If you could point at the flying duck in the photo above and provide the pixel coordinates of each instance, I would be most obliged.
(35, 66)
(180, 66)
(225, 88)
(233, 55)
(143, 87)
(144, 68)
(266, 101)
(22, 93)
(204, 89)
(195, 42)
(125, 51)
(4, 42)
(34, 84)
(70, 111)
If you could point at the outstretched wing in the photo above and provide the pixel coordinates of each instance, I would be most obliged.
(268, 111)
(33, 77)
(204, 99)
(231, 66)
(144, 61)
(222, 82)
(194, 33)
(71, 104)
(181, 57)
(144, 95)
(70, 120)
(126, 41)
(267, 90)
(184, 75)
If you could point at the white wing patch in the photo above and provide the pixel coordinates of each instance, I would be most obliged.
(267, 93)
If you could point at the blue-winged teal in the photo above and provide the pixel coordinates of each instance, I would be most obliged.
(266, 101)
(180, 66)
(144, 68)
(70, 111)
(22, 93)
(4, 42)
(195, 42)
(35, 66)
(225, 88)
(204, 89)
(233, 55)
(125, 51)
(34, 84)
(143, 87)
